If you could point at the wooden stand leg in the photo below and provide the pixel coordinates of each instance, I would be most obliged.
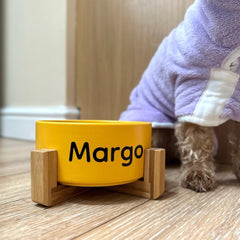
(153, 183)
(45, 189)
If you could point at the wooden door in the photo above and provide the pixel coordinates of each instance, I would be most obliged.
(115, 41)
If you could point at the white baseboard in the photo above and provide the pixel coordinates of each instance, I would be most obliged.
(19, 122)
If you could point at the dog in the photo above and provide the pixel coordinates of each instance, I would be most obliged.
(192, 84)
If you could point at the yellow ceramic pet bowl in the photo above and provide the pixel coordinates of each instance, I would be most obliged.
(96, 153)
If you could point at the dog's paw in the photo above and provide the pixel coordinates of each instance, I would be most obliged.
(198, 180)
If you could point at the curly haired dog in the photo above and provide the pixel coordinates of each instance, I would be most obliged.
(192, 84)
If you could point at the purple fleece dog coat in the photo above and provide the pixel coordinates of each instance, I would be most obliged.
(194, 75)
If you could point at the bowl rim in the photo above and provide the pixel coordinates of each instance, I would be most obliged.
(92, 122)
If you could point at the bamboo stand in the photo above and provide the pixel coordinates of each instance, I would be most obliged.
(47, 191)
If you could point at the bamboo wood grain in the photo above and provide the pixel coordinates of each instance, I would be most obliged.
(157, 172)
(45, 189)
(43, 175)
(153, 183)
(139, 188)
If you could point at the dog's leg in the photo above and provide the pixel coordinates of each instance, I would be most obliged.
(196, 146)
(235, 142)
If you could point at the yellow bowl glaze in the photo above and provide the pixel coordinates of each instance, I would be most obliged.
(96, 153)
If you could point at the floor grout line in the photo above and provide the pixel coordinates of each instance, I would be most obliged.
(122, 214)
(109, 220)
(14, 174)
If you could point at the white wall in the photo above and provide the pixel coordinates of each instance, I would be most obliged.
(34, 55)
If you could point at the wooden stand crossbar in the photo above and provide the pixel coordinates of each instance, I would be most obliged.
(45, 189)
(153, 183)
